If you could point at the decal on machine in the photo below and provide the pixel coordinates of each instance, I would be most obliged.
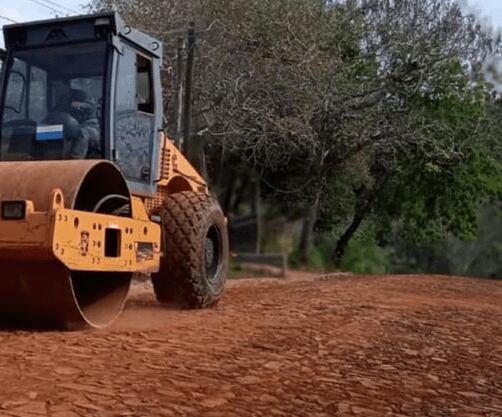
(84, 243)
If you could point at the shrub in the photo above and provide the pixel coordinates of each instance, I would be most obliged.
(365, 257)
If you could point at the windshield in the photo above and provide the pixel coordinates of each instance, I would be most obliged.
(53, 103)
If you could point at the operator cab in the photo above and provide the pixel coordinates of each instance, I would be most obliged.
(52, 102)
(84, 87)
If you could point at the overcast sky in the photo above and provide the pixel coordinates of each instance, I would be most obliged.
(25, 10)
(489, 10)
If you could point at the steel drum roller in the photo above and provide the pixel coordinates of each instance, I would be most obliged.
(35, 293)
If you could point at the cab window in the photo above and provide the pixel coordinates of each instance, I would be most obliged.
(144, 83)
(52, 103)
(134, 116)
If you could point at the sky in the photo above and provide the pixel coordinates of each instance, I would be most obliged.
(26, 10)
(490, 11)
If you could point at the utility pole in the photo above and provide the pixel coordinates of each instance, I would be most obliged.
(179, 93)
(188, 147)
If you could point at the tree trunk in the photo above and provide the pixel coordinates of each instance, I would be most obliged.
(307, 236)
(228, 193)
(365, 199)
(344, 240)
(240, 194)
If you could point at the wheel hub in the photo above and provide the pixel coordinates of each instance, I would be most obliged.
(212, 253)
(209, 252)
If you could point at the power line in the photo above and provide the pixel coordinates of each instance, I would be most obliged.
(60, 6)
(57, 11)
(181, 30)
(8, 19)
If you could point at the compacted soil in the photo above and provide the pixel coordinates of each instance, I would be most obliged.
(302, 346)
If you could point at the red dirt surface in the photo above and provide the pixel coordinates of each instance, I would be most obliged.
(338, 346)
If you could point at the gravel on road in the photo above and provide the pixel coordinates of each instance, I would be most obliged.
(304, 346)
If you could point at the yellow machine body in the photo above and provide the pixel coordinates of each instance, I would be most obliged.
(63, 264)
(176, 174)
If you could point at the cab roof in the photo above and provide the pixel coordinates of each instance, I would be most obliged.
(77, 29)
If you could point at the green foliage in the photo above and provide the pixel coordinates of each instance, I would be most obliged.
(365, 257)
(481, 257)
(434, 202)
(437, 188)
(317, 260)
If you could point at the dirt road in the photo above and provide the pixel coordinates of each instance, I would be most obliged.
(346, 346)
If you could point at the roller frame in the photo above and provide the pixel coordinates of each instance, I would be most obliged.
(77, 239)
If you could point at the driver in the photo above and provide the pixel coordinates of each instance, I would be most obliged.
(87, 144)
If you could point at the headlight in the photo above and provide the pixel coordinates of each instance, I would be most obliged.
(13, 210)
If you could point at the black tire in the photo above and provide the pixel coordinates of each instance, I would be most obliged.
(195, 261)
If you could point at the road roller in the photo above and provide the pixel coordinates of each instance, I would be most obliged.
(92, 191)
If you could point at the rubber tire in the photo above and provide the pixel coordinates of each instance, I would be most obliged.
(187, 217)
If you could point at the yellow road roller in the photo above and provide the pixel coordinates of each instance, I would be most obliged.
(91, 189)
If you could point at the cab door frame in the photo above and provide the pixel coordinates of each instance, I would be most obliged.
(146, 188)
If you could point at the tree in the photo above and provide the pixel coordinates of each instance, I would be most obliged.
(419, 112)
(351, 99)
